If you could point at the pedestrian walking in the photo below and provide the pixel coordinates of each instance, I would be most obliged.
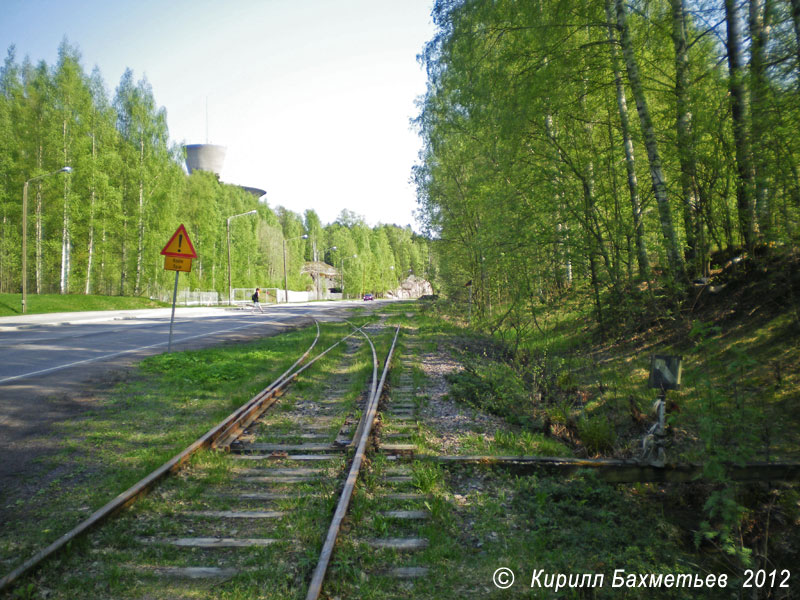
(254, 298)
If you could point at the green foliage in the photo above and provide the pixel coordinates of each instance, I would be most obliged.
(584, 525)
(597, 433)
(494, 387)
(528, 443)
(426, 477)
(728, 428)
(535, 174)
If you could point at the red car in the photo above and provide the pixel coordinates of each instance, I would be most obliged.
(368, 297)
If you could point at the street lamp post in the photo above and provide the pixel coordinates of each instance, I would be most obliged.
(285, 281)
(25, 232)
(228, 231)
(342, 270)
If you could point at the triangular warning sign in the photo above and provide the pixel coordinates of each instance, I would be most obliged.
(180, 245)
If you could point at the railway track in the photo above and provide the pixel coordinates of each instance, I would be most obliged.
(287, 461)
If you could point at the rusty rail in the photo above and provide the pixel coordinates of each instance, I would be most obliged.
(625, 471)
(315, 587)
(260, 403)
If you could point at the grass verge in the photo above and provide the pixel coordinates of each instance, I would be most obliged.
(11, 304)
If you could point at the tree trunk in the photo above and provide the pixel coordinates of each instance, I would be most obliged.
(759, 35)
(4, 256)
(590, 207)
(596, 289)
(102, 274)
(39, 231)
(3, 231)
(568, 256)
(88, 287)
(39, 236)
(630, 162)
(123, 263)
(685, 141)
(65, 241)
(796, 20)
(562, 231)
(656, 172)
(64, 248)
(593, 239)
(744, 182)
(562, 255)
(140, 247)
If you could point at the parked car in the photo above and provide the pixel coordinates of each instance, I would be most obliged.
(368, 297)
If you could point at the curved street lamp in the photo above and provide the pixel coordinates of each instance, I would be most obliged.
(228, 230)
(285, 283)
(25, 232)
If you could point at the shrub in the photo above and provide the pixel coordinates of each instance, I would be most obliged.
(597, 434)
(494, 387)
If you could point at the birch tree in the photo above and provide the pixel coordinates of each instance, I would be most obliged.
(736, 75)
(651, 145)
(627, 141)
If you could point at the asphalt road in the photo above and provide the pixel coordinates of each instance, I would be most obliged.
(37, 345)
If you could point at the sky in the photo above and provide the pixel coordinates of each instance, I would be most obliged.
(312, 98)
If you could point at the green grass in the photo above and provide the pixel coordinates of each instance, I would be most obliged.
(745, 372)
(11, 304)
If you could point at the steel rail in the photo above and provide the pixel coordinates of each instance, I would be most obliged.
(260, 403)
(315, 587)
(265, 393)
(140, 488)
(361, 422)
(614, 470)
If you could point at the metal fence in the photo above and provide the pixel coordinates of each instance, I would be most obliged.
(188, 297)
(197, 298)
(278, 295)
(242, 296)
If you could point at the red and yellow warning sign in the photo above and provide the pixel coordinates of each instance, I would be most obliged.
(180, 246)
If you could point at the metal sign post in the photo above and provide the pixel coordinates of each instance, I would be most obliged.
(178, 255)
(172, 318)
(665, 374)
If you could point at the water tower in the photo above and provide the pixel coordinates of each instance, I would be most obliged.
(205, 157)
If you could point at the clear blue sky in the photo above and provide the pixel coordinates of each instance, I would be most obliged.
(312, 97)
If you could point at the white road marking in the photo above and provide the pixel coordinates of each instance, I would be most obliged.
(114, 354)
